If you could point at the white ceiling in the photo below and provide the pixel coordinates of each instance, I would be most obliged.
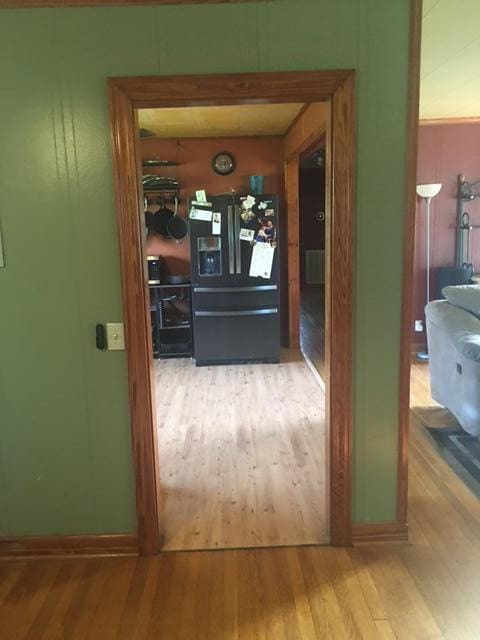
(450, 60)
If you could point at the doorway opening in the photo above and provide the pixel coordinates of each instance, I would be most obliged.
(338, 89)
(312, 208)
(242, 436)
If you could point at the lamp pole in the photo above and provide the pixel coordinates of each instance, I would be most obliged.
(427, 192)
(428, 201)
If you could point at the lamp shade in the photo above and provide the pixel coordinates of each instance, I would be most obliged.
(428, 190)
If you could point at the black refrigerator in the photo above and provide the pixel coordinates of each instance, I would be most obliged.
(235, 279)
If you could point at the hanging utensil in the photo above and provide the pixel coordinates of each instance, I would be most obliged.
(177, 227)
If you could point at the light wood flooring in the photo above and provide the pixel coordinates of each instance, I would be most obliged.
(428, 589)
(242, 452)
(424, 409)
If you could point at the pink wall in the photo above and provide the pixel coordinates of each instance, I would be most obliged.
(444, 151)
(253, 156)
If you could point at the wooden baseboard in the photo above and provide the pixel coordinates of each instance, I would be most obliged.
(379, 532)
(61, 546)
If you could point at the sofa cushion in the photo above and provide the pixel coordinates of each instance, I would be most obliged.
(465, 296)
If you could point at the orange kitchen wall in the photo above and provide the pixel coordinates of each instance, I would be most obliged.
(253, 156)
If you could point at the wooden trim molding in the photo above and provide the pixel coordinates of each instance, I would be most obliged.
(127, 94)
(292, 195)
(378, 532)
(408, 253)
(308, 145)
(36, 4)
(340, 321)
(194, 90)
(293, 250)
(296, 119)
(137, 319)
(444, 121)
(59, 546)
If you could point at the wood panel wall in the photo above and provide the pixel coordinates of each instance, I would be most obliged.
(444, 151)
(311, 124)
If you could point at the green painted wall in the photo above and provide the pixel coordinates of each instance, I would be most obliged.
(65, 454)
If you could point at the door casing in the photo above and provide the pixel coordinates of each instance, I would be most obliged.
(125, 96)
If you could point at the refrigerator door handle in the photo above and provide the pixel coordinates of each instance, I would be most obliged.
(245, 312)
(230, 240)
(238, 248)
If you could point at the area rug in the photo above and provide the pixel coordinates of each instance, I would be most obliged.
(434, 417)
(461, 451)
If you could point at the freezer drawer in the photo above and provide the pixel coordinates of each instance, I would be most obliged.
(247, 335)
(208, 298)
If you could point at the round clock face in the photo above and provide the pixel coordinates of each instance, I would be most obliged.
(223, 163)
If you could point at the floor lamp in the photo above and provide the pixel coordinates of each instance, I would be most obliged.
(427, 192)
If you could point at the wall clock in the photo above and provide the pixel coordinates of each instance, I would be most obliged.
(223, 163)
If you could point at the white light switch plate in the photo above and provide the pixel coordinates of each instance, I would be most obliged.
(115, 336)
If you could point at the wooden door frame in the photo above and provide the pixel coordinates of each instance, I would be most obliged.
(292, 198)
(125, 96)
(408, 255)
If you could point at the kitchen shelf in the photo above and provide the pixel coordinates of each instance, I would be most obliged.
(170, 286)
(175, 326)
(171, 340)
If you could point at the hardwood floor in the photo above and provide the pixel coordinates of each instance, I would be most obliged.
(242, 453)
(420, 385)
(428, 589)
(312, 326)
(423, 408)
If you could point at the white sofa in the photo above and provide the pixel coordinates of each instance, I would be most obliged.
(453, 333)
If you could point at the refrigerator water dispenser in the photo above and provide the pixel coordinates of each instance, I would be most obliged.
(209, 256)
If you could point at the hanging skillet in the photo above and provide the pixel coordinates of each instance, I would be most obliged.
(161, 219)
(177, 227)
(167, 223)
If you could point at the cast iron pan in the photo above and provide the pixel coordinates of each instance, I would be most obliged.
(177, 228)
(161, 219)
(170, 225)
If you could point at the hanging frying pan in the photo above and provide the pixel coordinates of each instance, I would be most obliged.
(168, 224)
(161, 219)
(149, 219)
(177, 228)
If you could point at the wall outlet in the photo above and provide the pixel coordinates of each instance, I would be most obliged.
(419, 326)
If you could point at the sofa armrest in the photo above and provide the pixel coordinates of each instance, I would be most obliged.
(459, 327)
(468, 344)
